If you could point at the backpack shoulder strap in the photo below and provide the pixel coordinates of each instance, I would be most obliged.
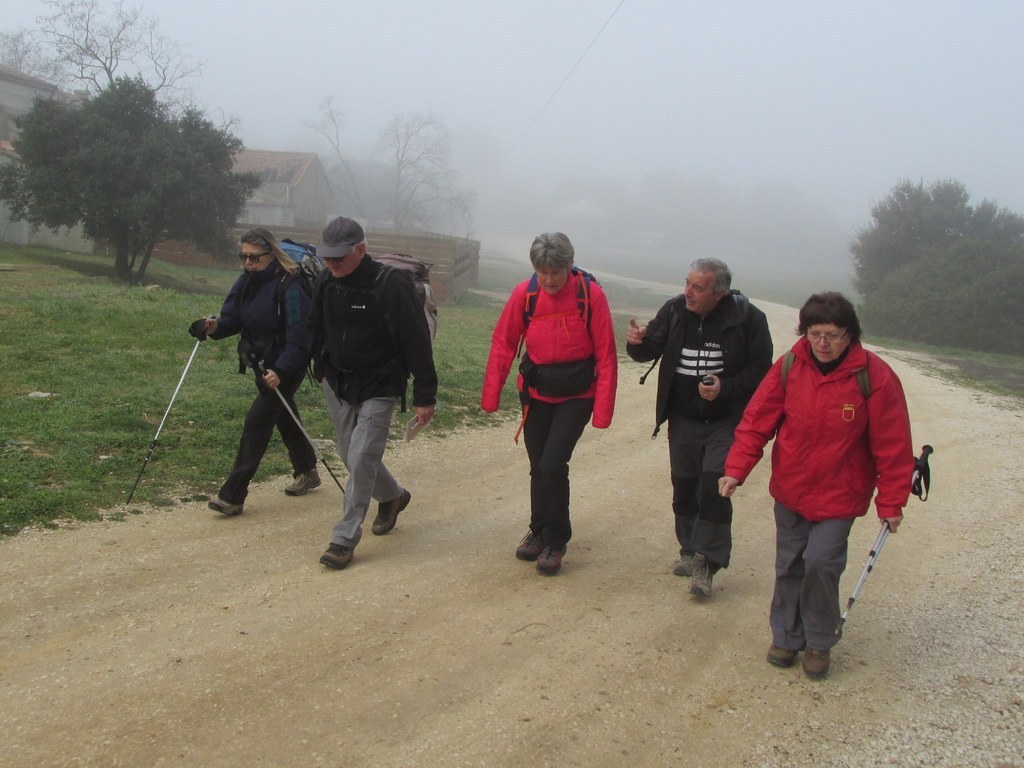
(787, 363)
(863, 378)
(864, 382)
(583, 281)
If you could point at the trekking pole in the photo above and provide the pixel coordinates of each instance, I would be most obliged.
(302, 429)
(919, 487)
(152, 444)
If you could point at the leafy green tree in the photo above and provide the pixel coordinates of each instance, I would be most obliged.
(966, 295)
(129, 171)
(915, 218)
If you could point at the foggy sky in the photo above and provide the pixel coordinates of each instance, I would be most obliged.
(823, 104)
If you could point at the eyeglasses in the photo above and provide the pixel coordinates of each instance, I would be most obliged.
(253, 257)
(831, 337)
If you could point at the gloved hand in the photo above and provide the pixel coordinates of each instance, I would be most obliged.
(198, 329)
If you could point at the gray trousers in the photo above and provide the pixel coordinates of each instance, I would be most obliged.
(809, 559)
(362, 434)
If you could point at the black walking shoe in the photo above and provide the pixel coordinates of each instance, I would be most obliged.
(530, 547)
(549, 562)
(336, 556)
(387, 513)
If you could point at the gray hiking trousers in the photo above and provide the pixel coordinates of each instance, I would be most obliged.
(809, 559)
(362, 434)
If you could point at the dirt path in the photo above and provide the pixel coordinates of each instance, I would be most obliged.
(180, 637)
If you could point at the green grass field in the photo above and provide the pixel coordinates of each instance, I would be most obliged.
(103, 361)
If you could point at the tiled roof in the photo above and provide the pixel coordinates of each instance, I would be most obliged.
(275, 167)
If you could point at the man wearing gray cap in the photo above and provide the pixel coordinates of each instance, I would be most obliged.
(369, 334)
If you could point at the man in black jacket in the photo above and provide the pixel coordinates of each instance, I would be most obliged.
(715, 348)
(369, 335)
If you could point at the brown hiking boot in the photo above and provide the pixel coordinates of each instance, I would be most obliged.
(304, 482)
(225, 507)
(816, 663)
(336, 556)
(387, 513)
(530, 547)
(684, 565)
(700, 583)
(780, 657)
(549, 562)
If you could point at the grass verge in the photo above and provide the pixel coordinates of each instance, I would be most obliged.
(90, 367)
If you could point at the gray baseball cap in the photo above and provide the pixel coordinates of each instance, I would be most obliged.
(340, 237)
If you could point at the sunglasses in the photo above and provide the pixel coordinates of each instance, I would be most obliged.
(253, 257)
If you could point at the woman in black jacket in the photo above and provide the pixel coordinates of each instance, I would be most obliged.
(267, 306)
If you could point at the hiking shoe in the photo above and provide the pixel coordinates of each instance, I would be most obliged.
(304, 481)
(549, 562)
(700, 583)
(780, 657)
(225, 507)
(816, 663)
(387, 513)
(531, 547)
(684, 565)
(336, 556)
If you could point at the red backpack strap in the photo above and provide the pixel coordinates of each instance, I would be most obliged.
(529, 307)
(583, 281)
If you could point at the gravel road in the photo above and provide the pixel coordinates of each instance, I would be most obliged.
(182, 638)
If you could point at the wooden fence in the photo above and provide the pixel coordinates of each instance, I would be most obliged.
(455, 262)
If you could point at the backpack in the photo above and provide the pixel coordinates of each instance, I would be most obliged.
(419, 271)
(863, 379)
(583, 282)
(310, 267)
(310, 264)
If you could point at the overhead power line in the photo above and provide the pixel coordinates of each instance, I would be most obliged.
(564, 81)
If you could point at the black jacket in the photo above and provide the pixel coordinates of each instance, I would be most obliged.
(741, 331)
(370, 334)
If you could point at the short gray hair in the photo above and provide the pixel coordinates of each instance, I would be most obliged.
(721, 277)
(552, 250)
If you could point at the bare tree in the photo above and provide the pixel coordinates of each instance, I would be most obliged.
(23, 51)
(97, 45)
(329, 126)
(423, 189)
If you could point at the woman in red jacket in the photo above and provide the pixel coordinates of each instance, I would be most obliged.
(841, 428)
(568, 373)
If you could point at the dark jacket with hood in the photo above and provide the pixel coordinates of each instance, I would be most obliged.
(370, 334)
(273, 331)
(735, 327)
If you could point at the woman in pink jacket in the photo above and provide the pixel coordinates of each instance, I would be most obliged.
(841, 428)
(567, 374)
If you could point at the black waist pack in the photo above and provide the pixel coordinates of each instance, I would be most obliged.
(559, 379)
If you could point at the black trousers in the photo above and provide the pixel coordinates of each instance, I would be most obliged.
(703, 518)
(265, 413)
(551, 433)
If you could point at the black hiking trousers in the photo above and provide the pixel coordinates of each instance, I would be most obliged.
(551, 433)
(265, 413)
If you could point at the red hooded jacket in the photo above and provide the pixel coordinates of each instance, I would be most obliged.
(556, 333)
(832, 447)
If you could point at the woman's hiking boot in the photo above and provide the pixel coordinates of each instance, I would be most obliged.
(780, 657)
(225, 507)
(303, 483)
(549, 562)
(387, 513)
(816, 663)
(530, 547)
